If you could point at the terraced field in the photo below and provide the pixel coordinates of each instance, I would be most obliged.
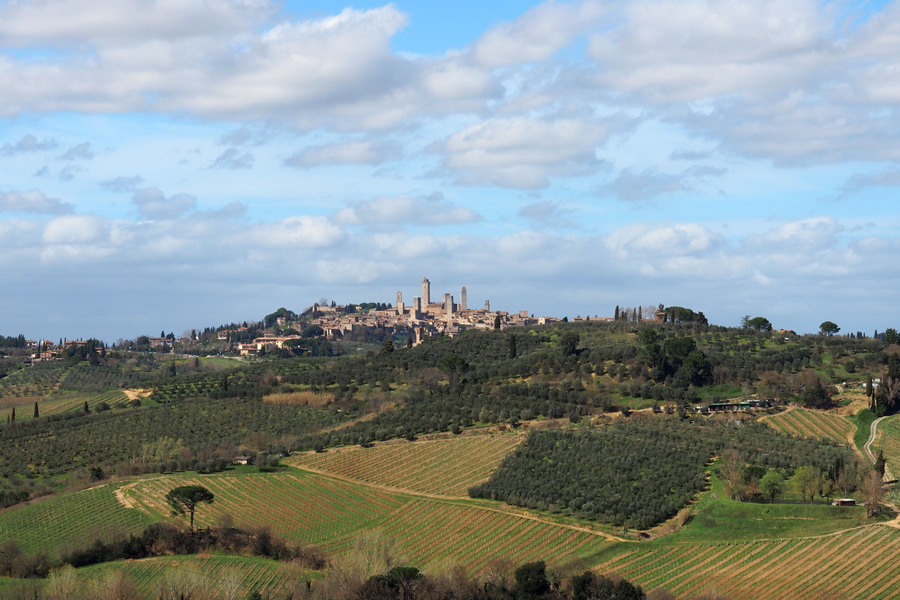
(60, 402)
(70, 520)
(229, 576)
(447, 467)
(297, 506)
(812, 423)
(433, 533)
(856, 564)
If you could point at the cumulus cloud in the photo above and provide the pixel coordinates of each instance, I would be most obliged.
(28, 143)
(538, 34)
(357, 152)
(33, 201)
(300, 232)
(81, 151)
(233, 159)
(650, 184)
(523, 152)
(396, 210)
(121, 184)
(74, 229)
(861, 181)
(153, 204)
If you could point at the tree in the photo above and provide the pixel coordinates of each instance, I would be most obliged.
(512, 346)
(531, 581)
(497, 322)
(891, 336)
(387, 347)
(184, 499)
(771, 484)
(872, 490)
(731, 466)
(568, 343)
(37, 412)
(880, 463)
(808, 480)
(759, 324)
(829, 328)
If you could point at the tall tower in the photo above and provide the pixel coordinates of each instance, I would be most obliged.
(426, 293)
(448, 306)
(399, 305)
(463, 301)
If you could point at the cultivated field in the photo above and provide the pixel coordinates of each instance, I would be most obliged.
(888, 441)
(70, 520)
(229, 576)
(433, 533)
(812, 423)
(446, 467)
(297, 506)
(860, 563)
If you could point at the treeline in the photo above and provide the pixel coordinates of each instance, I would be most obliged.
(638, 472)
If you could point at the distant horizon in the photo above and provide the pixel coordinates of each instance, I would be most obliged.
(170, 164)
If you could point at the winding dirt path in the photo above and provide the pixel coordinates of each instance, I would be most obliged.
(873, 433)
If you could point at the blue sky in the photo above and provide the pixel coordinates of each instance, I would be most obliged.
(175, 165)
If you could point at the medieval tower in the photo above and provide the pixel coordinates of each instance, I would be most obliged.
(426, 293)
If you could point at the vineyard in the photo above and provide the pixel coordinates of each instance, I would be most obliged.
(860, 563)
(297, 506)
(447, 466)
(70, 520)
(433, 533)
(230, 576)
(888, 441)
(812, 423)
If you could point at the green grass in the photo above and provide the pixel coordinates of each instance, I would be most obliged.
(70, 520)
(715, 517)
(863, 421)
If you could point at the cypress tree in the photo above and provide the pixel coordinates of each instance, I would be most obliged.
(36, 412)
(12, 416)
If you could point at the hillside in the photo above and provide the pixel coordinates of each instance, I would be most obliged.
(396, 441)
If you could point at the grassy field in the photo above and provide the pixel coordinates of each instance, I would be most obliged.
(70, 520)
(812, 423)
(716, 517)
(447, 467)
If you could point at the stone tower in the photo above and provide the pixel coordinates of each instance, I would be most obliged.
(426, 293)
(448, 306)
(399, 305)
(463, 300)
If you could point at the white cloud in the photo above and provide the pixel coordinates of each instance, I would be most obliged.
(397, 210)
(523, 152)
(28, 143)
(33, 201)
(297, 232)
(81, 151)
(153, 204)
(233, 159)
(74, 229)
(538, 34)
(357, 152)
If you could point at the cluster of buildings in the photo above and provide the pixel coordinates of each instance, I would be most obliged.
(426, 318)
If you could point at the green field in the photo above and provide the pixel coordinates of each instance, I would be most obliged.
(298, 506)
(888, 441)
(228, 576)
(446, 467)
(70, 520)
(859, 563)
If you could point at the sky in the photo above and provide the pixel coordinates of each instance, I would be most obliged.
(176, 164)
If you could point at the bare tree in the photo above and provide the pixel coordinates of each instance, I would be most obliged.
(731, 465)
(872, 490)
